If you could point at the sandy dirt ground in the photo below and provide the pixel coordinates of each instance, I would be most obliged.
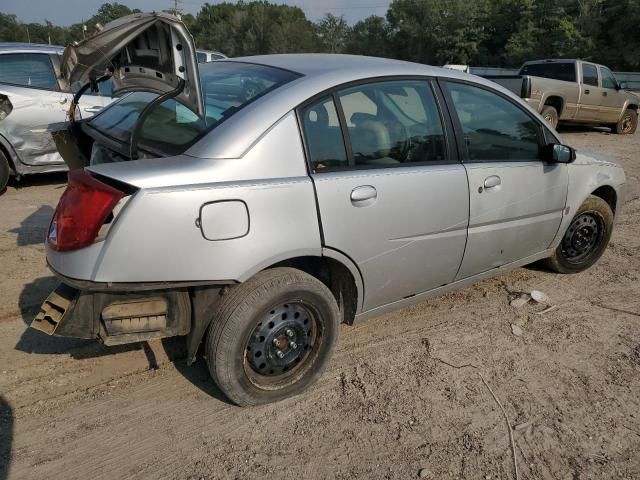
(388, 406)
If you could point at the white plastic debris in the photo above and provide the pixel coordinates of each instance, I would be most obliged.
(539, 297)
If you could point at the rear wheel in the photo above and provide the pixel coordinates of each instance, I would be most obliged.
(4, 172)
(586, 239)
(272, 336)
(628, 123)
(550, 114)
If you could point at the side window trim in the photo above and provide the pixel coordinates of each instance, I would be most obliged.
(55, 88)
(463, 151)
(346, 138)
(446, 121)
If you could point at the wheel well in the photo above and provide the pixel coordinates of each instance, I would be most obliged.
(12, 167)
(335, 276)
(608, 194)
(633, 107)
(555, 102)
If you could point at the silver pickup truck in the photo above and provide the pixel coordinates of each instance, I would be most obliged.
(575, 91)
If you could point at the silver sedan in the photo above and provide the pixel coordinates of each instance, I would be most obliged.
(343, 188)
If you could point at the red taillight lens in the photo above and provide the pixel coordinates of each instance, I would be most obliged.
(81, 211)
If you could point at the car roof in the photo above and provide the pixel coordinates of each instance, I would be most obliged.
(321, 73)
(315, 64)
(15, 47)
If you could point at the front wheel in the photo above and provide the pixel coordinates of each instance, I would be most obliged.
(628, 123)
(272, 336)
(586, 239)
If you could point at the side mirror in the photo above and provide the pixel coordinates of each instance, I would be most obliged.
(558, 153)
(623, 86)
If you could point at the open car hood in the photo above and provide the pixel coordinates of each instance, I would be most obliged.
(146, 51)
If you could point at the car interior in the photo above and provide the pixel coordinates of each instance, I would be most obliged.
(389, 124)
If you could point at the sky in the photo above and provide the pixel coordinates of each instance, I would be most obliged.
(66, 12)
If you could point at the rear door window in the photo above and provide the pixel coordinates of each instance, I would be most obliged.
(28, 70)
(375, 125)
(393, 123)
(589, 74)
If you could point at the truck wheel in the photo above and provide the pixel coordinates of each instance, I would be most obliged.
(272, 336)
(4, 172)
(628, 123)
(586, 239)
(550, 114)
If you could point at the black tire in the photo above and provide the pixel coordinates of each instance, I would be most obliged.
(596, 217)
(550, 114)
(250, 307)
(628, 123)
(5, 171)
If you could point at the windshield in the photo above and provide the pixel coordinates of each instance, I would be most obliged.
(557, 71)
(170, 128)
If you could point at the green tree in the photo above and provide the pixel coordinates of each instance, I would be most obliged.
(250, 28)
(371, 36)
(11, 30)
(618, 44)
(333, 33)
(545, 30)
(437, 31)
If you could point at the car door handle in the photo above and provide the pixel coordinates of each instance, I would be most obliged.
(94, 109)
(363, 196)
(604, 94)
(586, 92)
(492, 181)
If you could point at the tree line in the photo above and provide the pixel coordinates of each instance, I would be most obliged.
(476, 32)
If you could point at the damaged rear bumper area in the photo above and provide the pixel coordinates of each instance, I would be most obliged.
(115, 318)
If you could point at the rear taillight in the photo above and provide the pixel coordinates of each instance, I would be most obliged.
(81, 211)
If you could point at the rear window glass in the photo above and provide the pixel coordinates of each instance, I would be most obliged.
(171, 127)
(557, 71)
(28, 69)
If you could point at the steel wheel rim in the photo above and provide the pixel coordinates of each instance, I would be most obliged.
(281, 344)
(583, 237)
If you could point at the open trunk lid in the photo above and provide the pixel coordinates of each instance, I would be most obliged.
(145, 51)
